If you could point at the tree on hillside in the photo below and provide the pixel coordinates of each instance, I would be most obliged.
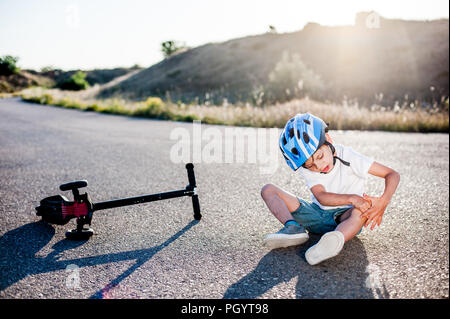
(8, 65)
(168, 48)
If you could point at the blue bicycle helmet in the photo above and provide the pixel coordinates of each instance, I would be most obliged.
(301, 137)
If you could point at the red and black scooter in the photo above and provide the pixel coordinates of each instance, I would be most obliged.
(59, 210)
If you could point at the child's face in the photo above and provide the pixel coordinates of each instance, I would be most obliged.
(321, 160)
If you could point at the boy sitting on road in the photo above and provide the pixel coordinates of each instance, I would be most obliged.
(339, 207)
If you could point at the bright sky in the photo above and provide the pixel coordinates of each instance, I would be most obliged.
(87, 34)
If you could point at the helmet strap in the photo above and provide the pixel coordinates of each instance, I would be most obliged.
(333, 150)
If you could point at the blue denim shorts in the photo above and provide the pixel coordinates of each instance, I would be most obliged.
(315, 219)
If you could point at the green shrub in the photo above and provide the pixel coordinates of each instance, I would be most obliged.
(47, 99)
(153, 107)
(92, 108)
(115, 108)
(64, 102)
(212, 120)
(8, 65)
(75, 83)
(40, 99)
(181, 117)
(77, 105)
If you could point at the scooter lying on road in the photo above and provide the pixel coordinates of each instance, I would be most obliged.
(59, 210)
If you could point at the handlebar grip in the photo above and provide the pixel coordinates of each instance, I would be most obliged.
(191, 175)
(73, 185)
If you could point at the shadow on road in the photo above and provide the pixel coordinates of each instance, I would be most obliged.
(18, 249)
(344, 276)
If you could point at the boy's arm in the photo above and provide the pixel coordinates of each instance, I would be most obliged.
(379, 204)
(332, 199)
(392, 178)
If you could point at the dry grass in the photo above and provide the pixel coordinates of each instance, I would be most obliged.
(4, 95)
(340, 116)
(343, 117)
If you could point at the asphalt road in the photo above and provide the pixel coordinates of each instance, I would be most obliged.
(156, 250)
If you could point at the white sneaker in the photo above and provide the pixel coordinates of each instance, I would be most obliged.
(290, 235)
(328, 246)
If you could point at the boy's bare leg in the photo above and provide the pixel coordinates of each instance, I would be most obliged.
(331, 243)
(350, 223)
(279, 202)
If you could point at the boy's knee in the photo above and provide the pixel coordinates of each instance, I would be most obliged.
(356, 214)
(267, 190)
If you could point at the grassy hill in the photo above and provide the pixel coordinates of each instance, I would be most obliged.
(50, 78)
(23, 79)
(96, 76)
(398, 60)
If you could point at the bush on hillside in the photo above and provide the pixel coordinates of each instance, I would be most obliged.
(8, 65)
(75, 83)
(152, 107)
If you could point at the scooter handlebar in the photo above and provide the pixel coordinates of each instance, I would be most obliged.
(73, 185)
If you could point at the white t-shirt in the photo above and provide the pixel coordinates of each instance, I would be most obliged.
(341, 179)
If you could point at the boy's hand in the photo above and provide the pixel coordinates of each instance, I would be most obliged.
(361, 203)
(375, 213)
